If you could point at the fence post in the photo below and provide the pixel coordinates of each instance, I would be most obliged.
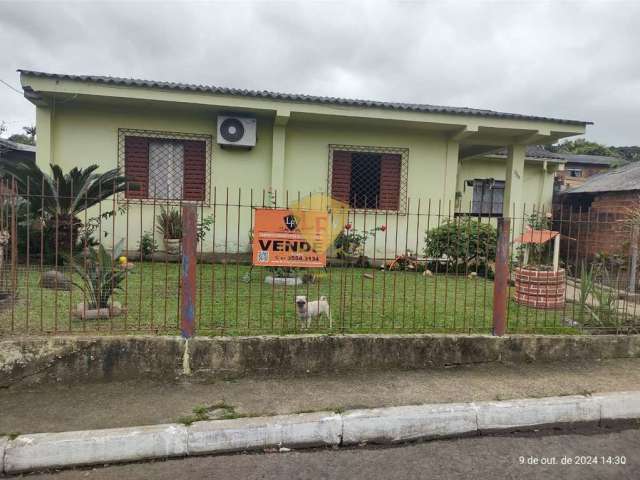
(501, 280)
(634, 258)
(188, 272)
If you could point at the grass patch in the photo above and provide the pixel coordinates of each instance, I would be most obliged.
(227, 304)
(218, 411)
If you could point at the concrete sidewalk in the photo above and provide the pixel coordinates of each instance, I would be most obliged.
(56, 408)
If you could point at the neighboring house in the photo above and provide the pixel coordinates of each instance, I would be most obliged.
(382, 156)
(580, 167)
(594, 213)
(17, 151)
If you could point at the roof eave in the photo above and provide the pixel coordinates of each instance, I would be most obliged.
(34, 97)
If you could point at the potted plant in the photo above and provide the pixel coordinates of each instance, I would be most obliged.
(170, 227)
(101, 276)
(539, 282)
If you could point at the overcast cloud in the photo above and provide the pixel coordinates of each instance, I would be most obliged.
(575, 59)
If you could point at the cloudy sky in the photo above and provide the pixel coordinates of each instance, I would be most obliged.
(569, 59)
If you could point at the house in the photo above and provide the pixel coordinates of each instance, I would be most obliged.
(382, 157)
(595, 213)
(580, 167)
(17, 151)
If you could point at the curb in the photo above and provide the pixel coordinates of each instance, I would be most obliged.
(42, 451)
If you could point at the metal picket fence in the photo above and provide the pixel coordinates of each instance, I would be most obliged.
(429, 268)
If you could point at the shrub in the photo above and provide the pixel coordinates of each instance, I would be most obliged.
(351, 242)
(463, 241)
(147, 244)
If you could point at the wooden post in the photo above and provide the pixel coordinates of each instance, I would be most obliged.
(556, 253)
(634, 258)
(188, 272)
(501, 280)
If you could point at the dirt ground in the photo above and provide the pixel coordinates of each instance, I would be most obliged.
(50, 408)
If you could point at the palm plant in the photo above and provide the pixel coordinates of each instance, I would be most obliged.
(100, 273)
(58, 198)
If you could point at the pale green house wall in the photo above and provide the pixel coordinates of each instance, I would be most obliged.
(537, 182)
(86, 134)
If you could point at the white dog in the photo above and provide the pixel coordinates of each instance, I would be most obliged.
(307, 310)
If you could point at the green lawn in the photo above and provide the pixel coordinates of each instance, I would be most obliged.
(394, 302)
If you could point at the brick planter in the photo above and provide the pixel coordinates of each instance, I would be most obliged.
(540, 289)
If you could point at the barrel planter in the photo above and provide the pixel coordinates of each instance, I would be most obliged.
(539, 288)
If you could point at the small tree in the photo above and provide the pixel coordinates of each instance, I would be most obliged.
(464, 241)
(58, 199)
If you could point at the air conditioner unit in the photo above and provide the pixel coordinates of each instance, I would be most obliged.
(234, 131)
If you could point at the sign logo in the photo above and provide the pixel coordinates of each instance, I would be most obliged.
(290, 222)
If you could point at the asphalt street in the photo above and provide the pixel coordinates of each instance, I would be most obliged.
(583, 453)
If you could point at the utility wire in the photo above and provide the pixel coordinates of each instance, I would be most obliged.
(11, 87)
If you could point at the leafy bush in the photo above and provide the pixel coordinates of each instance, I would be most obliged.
(283, 272)
(597, 302)
(463, 241)
(147, 244)
(351, 242)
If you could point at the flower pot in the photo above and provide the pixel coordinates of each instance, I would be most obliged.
(539, 288)
(83, 312)
(172, 245)
(289, 281)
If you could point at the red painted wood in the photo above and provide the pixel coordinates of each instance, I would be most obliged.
(136, 166)
(390, 170)
(188, 271)
(501, 280)
(195, 170)
(341, 176)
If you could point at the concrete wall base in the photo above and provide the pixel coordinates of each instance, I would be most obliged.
(82, 358)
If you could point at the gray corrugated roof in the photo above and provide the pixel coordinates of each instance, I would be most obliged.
(623, 179)
(16, 146)
(534, 152)
(294, 97)
(592, 159)
(539, 152)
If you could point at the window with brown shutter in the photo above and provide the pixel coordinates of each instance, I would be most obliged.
(369, 177)
(165, 166)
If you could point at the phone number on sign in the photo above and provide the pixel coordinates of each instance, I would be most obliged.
(574, 460)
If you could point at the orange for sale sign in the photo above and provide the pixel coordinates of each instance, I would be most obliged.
(287, 238)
